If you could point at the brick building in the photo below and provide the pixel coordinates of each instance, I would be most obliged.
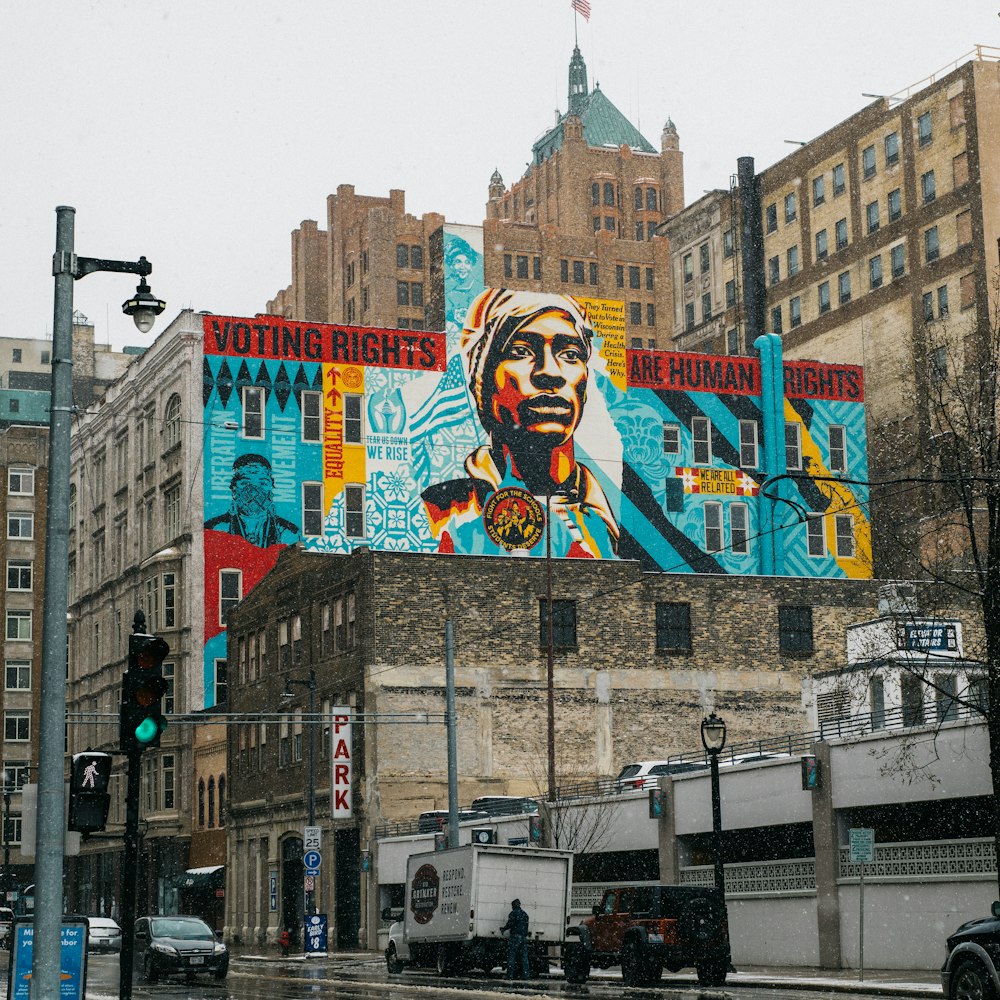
(633, 679)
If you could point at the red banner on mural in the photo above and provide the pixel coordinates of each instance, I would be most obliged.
(274, 338)
(816, 380)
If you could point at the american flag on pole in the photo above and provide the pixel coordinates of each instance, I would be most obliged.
(582, 7)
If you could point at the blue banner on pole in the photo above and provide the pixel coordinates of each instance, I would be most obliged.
(315, 933)
(73, 959)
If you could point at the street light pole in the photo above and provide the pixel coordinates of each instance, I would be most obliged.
(6, 836)
(310, 685)
(713, 739)
(67, 267)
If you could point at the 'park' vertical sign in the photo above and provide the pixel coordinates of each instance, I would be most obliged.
(341, 766)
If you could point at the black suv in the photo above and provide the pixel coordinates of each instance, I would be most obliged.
(970, 970)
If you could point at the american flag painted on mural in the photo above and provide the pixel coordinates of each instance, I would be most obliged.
(582, 7)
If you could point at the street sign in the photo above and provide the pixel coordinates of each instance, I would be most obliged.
(309, 883)
(312, 859)
(312, 838)
(862, 845)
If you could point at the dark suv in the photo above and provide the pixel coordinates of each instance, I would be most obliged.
(168, 945)
(649, 927)
(970, 970)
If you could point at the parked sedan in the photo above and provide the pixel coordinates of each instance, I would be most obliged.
(103, 934)
(970, 970)
(168, 945)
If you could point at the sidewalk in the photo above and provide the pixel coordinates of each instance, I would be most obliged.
(881, 982)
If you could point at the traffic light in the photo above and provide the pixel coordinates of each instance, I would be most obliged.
(812, 774)
(534, 829)
(141, 720)
(655, 803)
(88, 791)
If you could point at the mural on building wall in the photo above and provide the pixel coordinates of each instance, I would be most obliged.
(464, 441)
(463, 273)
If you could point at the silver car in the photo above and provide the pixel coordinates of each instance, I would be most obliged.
(103, 934)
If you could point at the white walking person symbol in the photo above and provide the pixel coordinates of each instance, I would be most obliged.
(90, 775)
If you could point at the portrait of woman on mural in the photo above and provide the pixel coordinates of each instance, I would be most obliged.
(527, 358)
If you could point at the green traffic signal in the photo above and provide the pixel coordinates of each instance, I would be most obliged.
(143, 688)
(147, 731)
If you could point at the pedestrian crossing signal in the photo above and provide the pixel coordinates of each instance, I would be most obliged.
(535, 829)
(89, 799)
(812, 774)
(655, 803)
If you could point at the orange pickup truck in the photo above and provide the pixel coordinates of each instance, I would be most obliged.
(651, 927)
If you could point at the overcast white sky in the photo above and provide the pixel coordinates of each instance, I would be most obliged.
(201, 132)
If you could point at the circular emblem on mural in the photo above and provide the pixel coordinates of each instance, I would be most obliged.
(353, 378)
(424, 893)
(513, 518)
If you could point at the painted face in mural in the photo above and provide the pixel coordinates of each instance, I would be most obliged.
(540, 379)
(462, 266)
(253, 488)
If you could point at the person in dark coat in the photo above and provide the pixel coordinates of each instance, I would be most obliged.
(517, 948)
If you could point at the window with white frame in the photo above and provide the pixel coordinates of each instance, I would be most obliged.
(172, 511)
(748, 444)
(312, 416)
(152, 602)
(253, 412)
(671, 439)
(296, 638)
(172, 422)
(352, 620)
(230, 592)
(816, 536)
(169, 600)
(12, 827)
(19, 624)
(354, 424)
(168, 773)
(297, 736)
(701, 439)
(21, 525)
(19, 572)
(946, 696)
(312, 509)
(284, 749)
(21, 482)
(844, 529)
(284, 650)
(793, 446)
(713, 526)
(169, 694)
(354, 510)
(837, 435)
(17, 675)
(221, 682)
(739, 528)
(17, 725)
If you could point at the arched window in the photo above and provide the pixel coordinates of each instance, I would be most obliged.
(201, 802)
(609, 193)
(222, 800)
(638, 198)
(72, 506)
(595, 193)
(211, 802)
(172, 422)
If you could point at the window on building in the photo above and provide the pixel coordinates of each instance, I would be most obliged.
(730, 293)
(714, 541)
(891, 149)
(17, 675)
(609, 193)
(895, 205)
(578, 272)
(875, 272)
(201, 801)
(640, 231)
(821, 245)
(839, 181)
(563, 624)
(416, 257)
(925, 128)
(844, 532)
(960, 169)
(792, 259)
(795, 629)
(354, 510)
(819, 190)
(872, 212)
(688, 315)
(868, 161)
(19, 624)
(634, 277)
(946, 697)
(739, 529)
(536, 268)
(564, 270)
(967, 291)
(939, 365)
(701, 440)
(619, 275)
(776, 320)
(172, 511)
(651, 199)
(688, 264)
(636, 343)
(671, 439)
(592, 272)
(876, 698)
(19, 574)
(932, 248)
(942, 301)
(416, 293)
(837, 440)
(673, 626)
(844, 287)
(706, 307)
(650, 314)
(402, 255)
(771, 217)
(311, 405)
(649, 279)
(312, 509)
(17, 726)
(354, 425)
(230, 592)
(979, 693)
(912, 698)
(748, 444)
(773, 270)
(793, 446)
(706, 261)
(522, 265)
(638, 198)
(815, 540)
(823, 295)
(928, 190)
(21, 482)
(794, 312)
(595, 193)
(732, 341)
(841, 230)
(508, 266)
(402, 293)
(728, 243)
(897, 256)
(790, 209)
(253, 412)
(635, 313)
(21, 525)
(221, 685)
(14, 405)
(963, 224)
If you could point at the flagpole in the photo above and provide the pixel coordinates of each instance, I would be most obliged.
(576, 41)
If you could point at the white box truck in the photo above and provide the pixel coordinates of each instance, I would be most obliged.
(457, 900)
